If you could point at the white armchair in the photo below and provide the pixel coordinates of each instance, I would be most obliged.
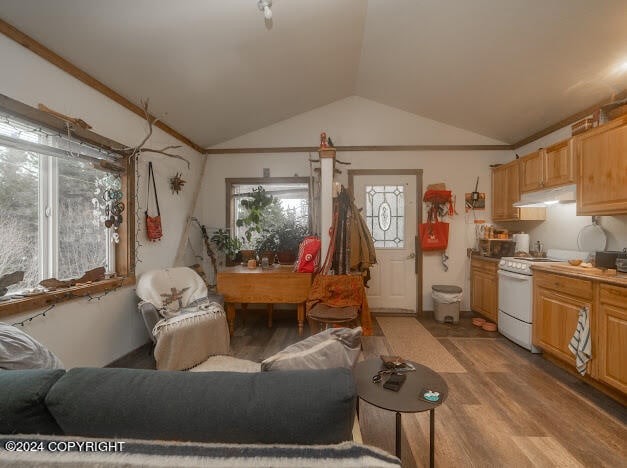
(186, 325)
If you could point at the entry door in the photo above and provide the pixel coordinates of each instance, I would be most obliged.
(388, 204)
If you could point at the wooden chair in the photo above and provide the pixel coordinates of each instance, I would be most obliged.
(337, 300)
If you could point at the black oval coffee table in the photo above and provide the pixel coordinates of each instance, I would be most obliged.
(407, 400)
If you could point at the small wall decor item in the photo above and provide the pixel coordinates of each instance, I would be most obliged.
(108, 204)
(153, 223)
(475, 203)
(177, 182)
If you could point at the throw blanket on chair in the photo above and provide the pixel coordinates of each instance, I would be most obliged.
(197, 332)
(341, 291)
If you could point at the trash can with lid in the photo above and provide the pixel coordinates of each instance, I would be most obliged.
(446, 302)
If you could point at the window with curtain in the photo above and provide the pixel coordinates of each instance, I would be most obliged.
(53, 204)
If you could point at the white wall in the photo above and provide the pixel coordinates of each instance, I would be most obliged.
(358, 121)
(562, 225)
(95, 333)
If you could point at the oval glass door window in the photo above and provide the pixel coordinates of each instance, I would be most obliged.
(385, 215)
(385, 218)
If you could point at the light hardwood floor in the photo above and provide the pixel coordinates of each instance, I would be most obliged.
(510, 408)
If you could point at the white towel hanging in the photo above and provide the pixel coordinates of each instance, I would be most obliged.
(580, 344)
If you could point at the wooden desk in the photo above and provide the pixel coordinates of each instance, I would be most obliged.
(277, 285)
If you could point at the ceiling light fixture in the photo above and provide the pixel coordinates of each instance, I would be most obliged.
(264, 5)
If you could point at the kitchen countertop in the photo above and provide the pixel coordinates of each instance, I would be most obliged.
(594, 274)
(487, 259)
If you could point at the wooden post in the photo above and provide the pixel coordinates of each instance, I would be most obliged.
(327, 163)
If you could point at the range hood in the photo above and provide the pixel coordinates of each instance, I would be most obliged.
(548, 197)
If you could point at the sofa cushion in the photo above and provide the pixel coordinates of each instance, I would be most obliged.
(293, 407)
(22, 407)
(18, 350)
(335, 347)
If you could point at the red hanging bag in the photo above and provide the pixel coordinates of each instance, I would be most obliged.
(433, 233)
(153, 223)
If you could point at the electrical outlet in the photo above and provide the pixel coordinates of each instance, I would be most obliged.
(266, 172)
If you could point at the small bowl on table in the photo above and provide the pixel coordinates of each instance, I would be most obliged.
(575, 262)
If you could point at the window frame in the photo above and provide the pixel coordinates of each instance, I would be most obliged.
(124, 250)
(230, 182)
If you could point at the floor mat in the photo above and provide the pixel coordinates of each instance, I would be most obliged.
(410, 340)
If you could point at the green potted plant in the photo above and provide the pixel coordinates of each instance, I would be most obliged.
(229, 246)
(290, 233)
(267, 245)
(255, 211)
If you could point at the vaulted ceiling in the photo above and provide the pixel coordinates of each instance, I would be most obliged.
(215, 69)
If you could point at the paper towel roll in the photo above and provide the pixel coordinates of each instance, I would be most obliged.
(522, 242)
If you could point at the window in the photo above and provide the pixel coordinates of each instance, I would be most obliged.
(292, 194)
(53, 205)
(385, 215)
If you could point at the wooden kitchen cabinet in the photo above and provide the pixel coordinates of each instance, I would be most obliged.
(611, 337)
(484, 287)
(531, 171)
(506, 192)
(601, 155)
(559, 164)
(548, 167)
(557, 301)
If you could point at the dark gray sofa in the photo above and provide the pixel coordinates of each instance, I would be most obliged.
(173, 418)
(289, 407)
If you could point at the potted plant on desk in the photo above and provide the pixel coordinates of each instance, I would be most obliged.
(267, 245)
(229, 246)
(290, 233)
(255, 211)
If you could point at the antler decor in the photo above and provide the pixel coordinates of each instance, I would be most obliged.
(130, 151)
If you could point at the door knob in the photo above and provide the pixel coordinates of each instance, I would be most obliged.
(411, 255)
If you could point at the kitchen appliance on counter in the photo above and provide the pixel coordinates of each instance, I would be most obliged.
(497, 248)
(608, 258)
(516, 294)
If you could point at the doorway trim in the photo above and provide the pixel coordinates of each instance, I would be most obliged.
(417, 246)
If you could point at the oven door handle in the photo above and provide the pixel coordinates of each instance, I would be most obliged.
(517, 276)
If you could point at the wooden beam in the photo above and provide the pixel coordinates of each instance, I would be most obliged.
(569, 120)
(185, 234)
(314, 149)
(36, 47)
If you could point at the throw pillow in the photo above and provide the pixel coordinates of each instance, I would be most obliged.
(335, 347)
(19, 350)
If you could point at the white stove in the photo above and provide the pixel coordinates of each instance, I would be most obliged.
(522, 265)
(516, 294)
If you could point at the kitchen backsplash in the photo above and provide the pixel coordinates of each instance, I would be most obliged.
(562, 226)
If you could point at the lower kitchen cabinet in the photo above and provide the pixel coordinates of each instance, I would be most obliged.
(612, 336)
(556, 305)
(557, 301)
(484, 285)
(556, 322)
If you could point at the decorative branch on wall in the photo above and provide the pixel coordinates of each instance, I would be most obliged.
(73, 120)
(135, 150)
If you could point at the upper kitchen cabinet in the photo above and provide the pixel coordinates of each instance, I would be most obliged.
(547, 167)
(559, 164)
(601, 156)
(506, 192)
(531, 172)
